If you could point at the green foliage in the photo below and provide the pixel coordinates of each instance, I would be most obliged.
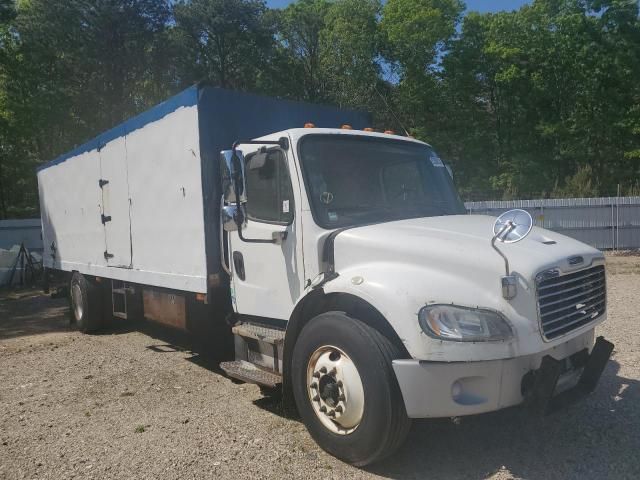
(7, 11)
(300, 27)
(224, 42)
(554, 87)
(416, 28)
(349, 46)
(542, 101)
(580, 185)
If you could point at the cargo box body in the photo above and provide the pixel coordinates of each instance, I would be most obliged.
(140, 203)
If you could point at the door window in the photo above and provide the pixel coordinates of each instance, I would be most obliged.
(269, 190)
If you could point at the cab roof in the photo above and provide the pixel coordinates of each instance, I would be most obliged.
(297, 133)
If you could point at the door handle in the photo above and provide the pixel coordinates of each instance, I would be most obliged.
(238, 265)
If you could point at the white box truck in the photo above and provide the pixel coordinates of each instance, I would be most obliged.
(342, 260)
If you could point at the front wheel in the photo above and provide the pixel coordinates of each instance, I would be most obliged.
(345, 389)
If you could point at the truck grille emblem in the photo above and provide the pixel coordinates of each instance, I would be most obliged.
(577, 260)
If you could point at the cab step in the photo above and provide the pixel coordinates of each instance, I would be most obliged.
(259, 350)
(259, 332)
(249, 373)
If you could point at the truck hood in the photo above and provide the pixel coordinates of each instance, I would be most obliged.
(459, 244)
(398, 267)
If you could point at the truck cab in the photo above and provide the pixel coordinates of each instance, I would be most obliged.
(361, 287)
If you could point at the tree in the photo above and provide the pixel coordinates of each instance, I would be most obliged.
(300, 28)
(225, 42)
(536, 102)
(415, 33)
(71, 70)
(580, 185)
(417, 29)
(349, 46)
(100, 59)
(7, 11)
(553, 85)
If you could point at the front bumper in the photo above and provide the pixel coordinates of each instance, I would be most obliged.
(546, 380)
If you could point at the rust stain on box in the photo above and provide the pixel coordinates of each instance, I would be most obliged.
(166, 308)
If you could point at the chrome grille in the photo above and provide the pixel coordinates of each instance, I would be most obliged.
(567, 302)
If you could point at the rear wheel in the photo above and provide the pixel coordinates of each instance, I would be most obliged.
(85, 303)
(345, 389)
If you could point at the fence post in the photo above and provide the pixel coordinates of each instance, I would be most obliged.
(618, 219)
(613, 226)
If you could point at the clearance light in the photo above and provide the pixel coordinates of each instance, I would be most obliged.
(389, 132)
(368, 129)
(309, 125)
(346, 127)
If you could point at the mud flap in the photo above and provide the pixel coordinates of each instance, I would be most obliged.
(541, 398)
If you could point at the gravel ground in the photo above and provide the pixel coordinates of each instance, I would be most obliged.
(127, 404)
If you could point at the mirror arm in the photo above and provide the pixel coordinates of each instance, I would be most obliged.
(508, 226)
(255, 240)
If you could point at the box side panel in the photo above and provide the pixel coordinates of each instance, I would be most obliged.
(227, 116)
(167, 220)
(161, 185)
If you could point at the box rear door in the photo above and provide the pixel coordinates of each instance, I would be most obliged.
(116, 205)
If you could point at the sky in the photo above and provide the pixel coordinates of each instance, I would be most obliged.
(477, 5)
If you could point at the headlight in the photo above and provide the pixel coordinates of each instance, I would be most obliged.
(446, 322)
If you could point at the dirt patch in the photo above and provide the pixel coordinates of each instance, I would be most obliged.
(129, 403)
(623, 264)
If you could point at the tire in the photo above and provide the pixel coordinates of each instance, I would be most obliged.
(85, 298)
(383, 424)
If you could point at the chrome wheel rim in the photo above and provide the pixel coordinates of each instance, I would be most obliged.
(76, 301)
(335, 390)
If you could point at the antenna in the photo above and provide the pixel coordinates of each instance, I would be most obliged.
(392, 112)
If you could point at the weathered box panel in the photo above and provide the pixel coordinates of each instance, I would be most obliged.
(166, 308)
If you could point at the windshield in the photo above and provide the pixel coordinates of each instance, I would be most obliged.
(357, 180)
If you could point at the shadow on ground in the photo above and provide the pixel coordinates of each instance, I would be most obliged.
(28, 312)
(595, 439)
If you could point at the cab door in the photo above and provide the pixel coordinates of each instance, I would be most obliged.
(267, 277)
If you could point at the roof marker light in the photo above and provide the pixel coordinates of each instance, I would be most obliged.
(389, 132)
(346, 127)
(368, 129)
(309, 125)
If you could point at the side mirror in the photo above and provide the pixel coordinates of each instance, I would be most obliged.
(510, 227)
(232, 217)
(233, 176)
